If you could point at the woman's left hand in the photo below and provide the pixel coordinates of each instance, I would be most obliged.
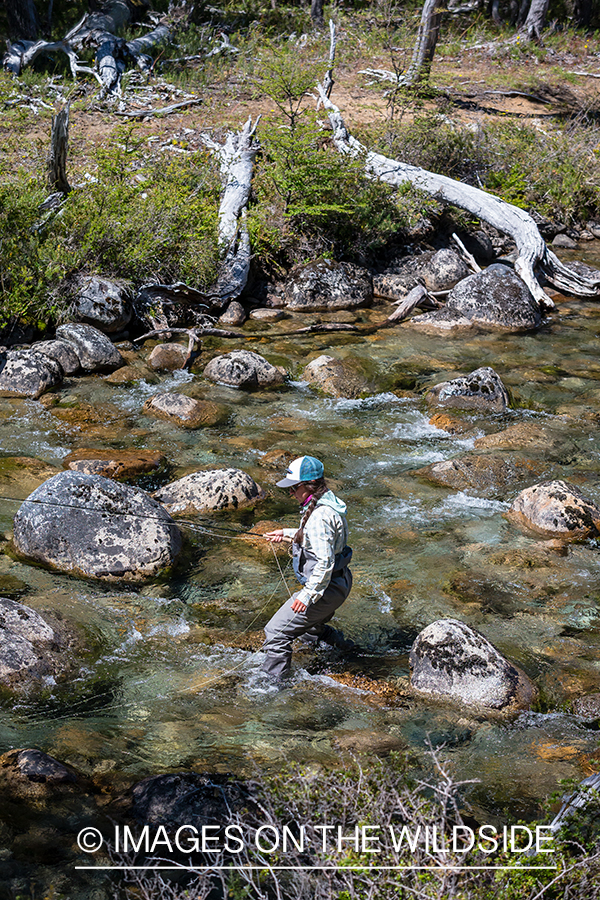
(298, 606)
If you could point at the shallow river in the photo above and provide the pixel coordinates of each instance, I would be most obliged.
(156, 693)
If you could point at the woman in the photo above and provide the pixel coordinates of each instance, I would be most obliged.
(321, 559)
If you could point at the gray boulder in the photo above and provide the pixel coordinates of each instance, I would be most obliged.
(443, 270)
(27, 373)
(94, 350)
(104, 305)
(324, 285)
(481, 390)
(243, 369)
(97, 528)
(61, 352)
(450, 660)
(496, 299)
(215, 489)
(555, 508)
(235, 314)
(490, 474)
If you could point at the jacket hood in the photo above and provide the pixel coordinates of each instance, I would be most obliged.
(329, 499)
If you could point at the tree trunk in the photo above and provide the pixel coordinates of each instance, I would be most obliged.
(536, 19)
(316, 13)
(237, 157)
(22, 19)
(503, 216)
(424, 51)
(582, 13)
(57, 157)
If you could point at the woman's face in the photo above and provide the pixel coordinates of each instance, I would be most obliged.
(300, 492)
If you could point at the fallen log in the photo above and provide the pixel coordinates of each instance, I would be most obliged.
(163, 111)
(506, 218)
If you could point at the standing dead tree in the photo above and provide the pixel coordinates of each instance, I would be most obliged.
(237, 157)
(98, 30)
(57, 155)
(534, 259)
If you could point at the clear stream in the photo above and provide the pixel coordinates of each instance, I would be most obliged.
(154, 694)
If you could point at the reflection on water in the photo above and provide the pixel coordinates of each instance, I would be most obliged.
(157, 691)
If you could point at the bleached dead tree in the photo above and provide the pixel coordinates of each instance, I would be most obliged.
(535, 21)
(534, 259)
(424, 49)
(98, 30)
(237, 157)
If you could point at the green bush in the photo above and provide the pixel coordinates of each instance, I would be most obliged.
(142, 219)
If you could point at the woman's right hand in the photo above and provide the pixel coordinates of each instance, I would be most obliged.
(275, 537)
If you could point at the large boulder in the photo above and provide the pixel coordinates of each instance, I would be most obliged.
(97, 528)
(186, 411)
(481, 390)
(450, 660)
(243, 369)
(215, 489)
(337, 377)
(61, 352)
(324, 285)
(555, 508)
(94, 350)
(27, 373)
(103, 304)
(186, 798)
(495, 298)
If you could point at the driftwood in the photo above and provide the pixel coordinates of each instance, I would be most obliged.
(99, 30)
(418, 297)
(534, 256)
(237, 157)
(164, 111)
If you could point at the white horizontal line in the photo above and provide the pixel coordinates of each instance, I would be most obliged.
(324, 868)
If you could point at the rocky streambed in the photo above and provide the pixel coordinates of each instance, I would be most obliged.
(135, 584)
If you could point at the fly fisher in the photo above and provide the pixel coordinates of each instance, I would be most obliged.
(321, 557)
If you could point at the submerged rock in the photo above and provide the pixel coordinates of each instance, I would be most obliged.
(555, 508)
(186, 411)
(94, 350)
(30, 772)
(215, 489)
(336, 377)
(449, 659)
(103, 304)
(482, 390)
(27, 373)
(324, 285)
(243, 369)
(488, 474)
(114, 463)
(97, 528)
(25, 636)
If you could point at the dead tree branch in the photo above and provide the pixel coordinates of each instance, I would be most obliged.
(534, 256)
